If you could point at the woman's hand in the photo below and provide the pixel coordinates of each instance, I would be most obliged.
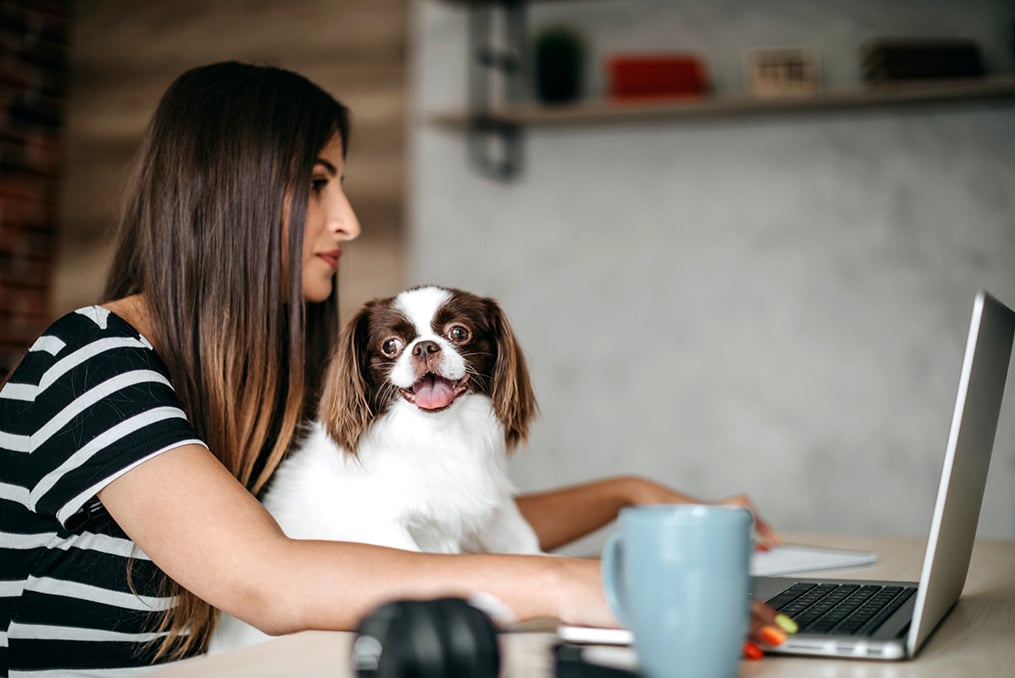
(766, 537)
(644, 491)
(768, 627)
(580, 601)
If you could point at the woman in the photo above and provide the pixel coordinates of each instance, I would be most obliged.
(135, 435)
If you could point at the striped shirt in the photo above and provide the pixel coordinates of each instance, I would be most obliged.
(90, 401)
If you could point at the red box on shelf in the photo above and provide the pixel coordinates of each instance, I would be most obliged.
(656, 75)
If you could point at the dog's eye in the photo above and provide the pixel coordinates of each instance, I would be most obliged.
(392, 347)
(459, 334)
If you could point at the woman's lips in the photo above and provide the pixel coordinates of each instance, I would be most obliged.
(331, 258)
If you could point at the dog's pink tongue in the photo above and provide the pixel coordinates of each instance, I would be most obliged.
(433, 393)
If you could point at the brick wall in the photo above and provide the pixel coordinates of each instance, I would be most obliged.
(33, 83)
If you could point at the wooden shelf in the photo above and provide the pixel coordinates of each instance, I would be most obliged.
(606, 112)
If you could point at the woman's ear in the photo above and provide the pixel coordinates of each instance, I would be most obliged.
(514, 402)
(345, 409)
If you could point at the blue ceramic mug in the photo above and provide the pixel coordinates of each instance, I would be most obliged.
(678, 577)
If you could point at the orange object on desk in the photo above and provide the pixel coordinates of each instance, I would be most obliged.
(656, 75)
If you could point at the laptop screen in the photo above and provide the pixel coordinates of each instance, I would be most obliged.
(967, 457)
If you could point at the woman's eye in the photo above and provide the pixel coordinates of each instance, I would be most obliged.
(391, 347)
(317, 185)
(459, 334)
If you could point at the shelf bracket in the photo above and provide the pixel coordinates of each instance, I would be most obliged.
(496, 73)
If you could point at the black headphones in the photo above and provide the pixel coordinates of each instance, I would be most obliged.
(441, 638)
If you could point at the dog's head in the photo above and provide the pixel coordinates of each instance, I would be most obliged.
(427, 346)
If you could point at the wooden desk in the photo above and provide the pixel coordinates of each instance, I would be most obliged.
(976, 639)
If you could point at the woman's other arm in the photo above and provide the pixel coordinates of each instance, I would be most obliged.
(563, 515)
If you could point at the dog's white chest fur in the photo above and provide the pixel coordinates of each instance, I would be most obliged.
(421, 481)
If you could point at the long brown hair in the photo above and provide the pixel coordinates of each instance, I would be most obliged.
(229, 151)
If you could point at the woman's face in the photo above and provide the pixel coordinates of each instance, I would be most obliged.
(330, 221)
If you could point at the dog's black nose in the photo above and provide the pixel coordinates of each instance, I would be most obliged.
(424, 349)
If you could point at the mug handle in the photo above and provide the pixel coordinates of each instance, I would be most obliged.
(612, 567)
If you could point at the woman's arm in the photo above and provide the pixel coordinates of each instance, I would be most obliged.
(197, 523)
(563, 515)
(560, 516)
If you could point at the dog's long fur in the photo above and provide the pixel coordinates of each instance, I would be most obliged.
(410, 449)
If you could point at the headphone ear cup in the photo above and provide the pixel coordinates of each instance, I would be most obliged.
(375, 652)
(442, 638)
(469, 639)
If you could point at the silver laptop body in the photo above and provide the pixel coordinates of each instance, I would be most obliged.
(956, 511)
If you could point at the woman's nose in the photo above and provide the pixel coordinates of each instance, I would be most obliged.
(344, 222)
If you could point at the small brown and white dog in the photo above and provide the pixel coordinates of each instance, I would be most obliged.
(425, 397)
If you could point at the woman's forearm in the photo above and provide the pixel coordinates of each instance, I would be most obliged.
(197, 523)
(349, 580)
(563, 515)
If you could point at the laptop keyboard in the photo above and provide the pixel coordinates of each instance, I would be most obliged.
(841, 609)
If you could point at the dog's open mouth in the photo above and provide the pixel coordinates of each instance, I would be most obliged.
(433, 392)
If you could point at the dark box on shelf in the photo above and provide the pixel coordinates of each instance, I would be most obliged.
(890, 60)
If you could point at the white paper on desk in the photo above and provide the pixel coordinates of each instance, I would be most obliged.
(796, 558)
(594, 635)
(782, 559)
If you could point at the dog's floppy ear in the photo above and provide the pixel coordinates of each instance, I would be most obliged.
(513, 399)
(345, 408)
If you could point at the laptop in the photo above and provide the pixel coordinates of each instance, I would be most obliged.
(891, 620)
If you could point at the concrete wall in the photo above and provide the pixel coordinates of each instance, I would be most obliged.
(769, 304)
